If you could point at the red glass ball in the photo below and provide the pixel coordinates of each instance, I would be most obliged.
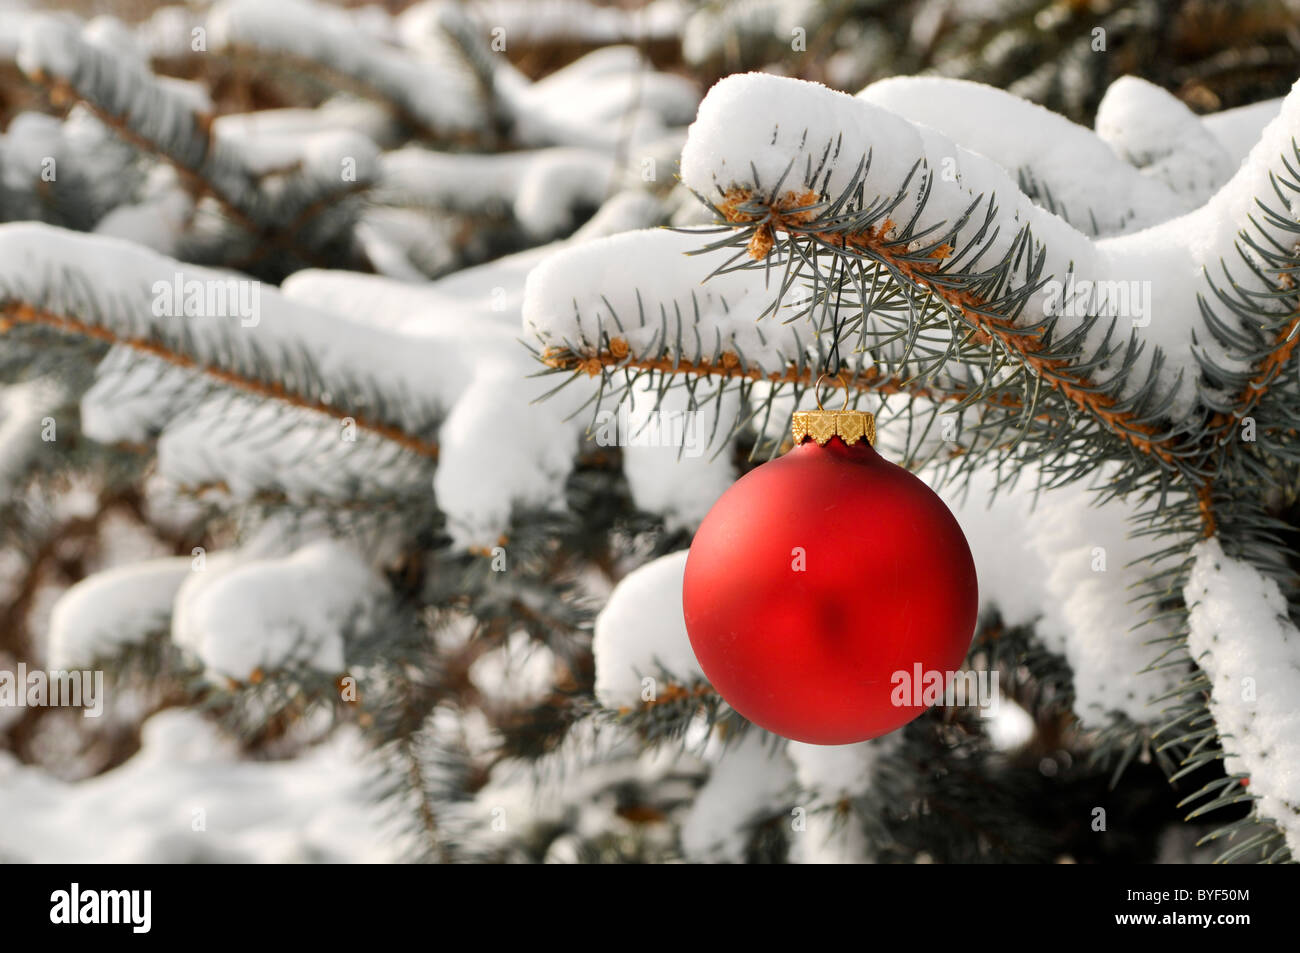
(815, 579)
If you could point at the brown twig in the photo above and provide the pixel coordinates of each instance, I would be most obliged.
(22, 313)
(1284, 347)
(728, 367)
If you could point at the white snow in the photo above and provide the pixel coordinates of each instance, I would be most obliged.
(1108, 633)
(749, 780)
(828, 777)
(324, 155)
(438, 94)
(156, 222)
(836, 771)
(541, 187)
(1237, 130)
(1174, 257)
(1157, 133)
(623, 211)
(269, 613)
(23, 409)
(674, 458)
(830, 837)
(405, 244)
(609, 99)
(517, 672)
(1083, 176)
(497, 455)
(169, 31)
(338, 114)
(80, 150)
(1062, 563)
(455, 350)
(112, 609)
(29, 138)
(1011, 573)
(641, 287)
(110, 33)
(188, 797)
(1241, 636)
(44, 47)
(642, 631)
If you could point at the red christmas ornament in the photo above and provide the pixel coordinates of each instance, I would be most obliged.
(818, 577)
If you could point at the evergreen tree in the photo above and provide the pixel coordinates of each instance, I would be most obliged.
(358, 410)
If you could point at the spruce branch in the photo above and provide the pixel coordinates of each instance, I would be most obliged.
(991, 317)
(159, 121)
(728, 367)
(18, 313)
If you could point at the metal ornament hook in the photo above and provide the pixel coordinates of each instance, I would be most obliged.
(842, 377)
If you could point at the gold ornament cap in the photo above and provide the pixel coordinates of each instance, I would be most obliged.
(849, 425)
(822, 424)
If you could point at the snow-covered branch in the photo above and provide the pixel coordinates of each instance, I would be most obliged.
(1242, 638)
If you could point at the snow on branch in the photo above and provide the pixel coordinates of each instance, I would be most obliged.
(436, 95)
(845, 180)
(1069, 563)
(543, 189)
(653, 301)
(464, 331)
(675, 473)
(827, 777)
(353, 352)
(318, 807)
(114, 608)
(982, 258)
(759, 338)
(609, 100)
(1061, 165)
(666, 324)
(643, 655)
(856, 182)
(1243, 639)
(847, 224)
(96, 172)
(287, 193)
(126, 96)
(1156, 132)
(244, 618)
(748, 784)
(231, 329)
(22, 408)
